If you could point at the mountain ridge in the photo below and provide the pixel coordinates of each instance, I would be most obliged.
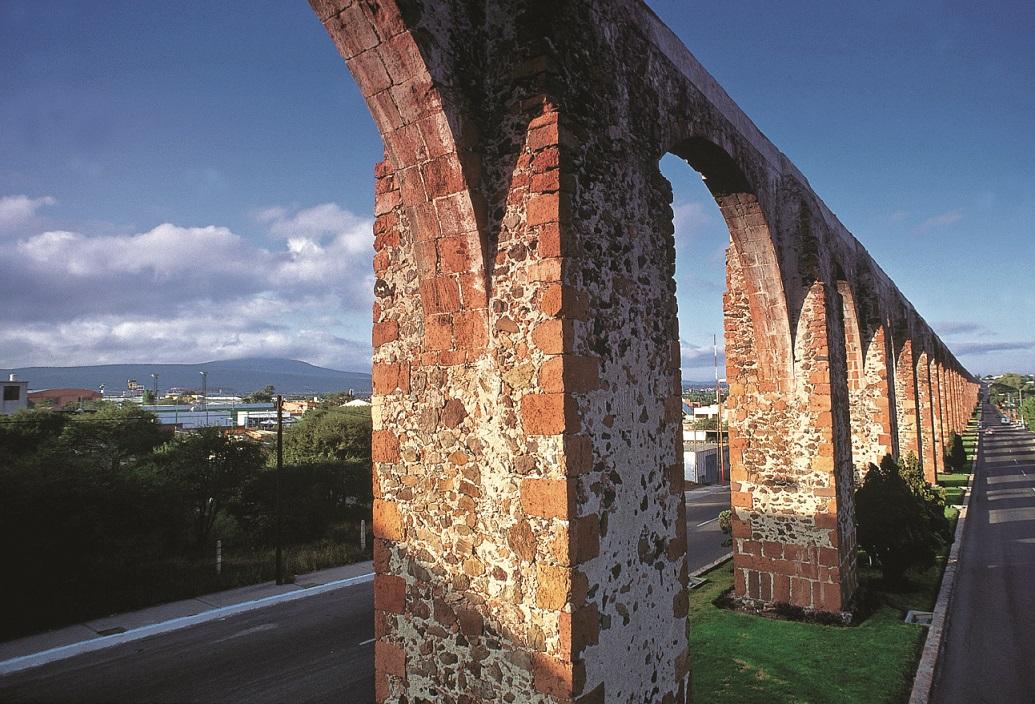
(239, 376)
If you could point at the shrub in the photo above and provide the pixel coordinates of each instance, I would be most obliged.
(901, 520)
(956, 457)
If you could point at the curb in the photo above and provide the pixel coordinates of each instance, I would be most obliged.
(26, 662)
(711, 565)
(923, 682)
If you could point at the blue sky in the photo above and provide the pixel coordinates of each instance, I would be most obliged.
(182, 182)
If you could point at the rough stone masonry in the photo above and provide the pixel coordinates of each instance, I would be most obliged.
(529, 516)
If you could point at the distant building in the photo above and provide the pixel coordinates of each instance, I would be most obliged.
(15, 396)
(701, 462)
(59, 398)
(298, 407)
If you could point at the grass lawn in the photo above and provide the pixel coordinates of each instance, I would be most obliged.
(745, 659)
(953, 480)
(954, 496)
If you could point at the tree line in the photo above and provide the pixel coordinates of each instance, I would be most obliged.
(91, 500)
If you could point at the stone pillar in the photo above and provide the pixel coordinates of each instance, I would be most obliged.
(791, 545)
(860, 406)
(878, 370)
(505, 461)
(872, 402)
(940, 415)
(907, 403)
(529, 517)
(925, 396)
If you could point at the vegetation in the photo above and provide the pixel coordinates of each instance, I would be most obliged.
(746, 659)
(956, 456)
(1007, 390)
(103, 512)
(263, 395)
(1028, 411)
(901, 520)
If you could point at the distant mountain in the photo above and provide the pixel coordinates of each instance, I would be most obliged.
(687, 385)
(237, 376)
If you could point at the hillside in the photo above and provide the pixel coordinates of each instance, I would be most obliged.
(240, 376)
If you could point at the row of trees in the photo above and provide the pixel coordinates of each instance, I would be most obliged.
(1012, 388)
(87, 499)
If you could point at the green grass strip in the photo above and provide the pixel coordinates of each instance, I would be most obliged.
(744, 659)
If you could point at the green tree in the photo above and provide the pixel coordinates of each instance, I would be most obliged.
(263, 395)
(956, 457)
(28, 431)
(314, 497)
(1028, 412)
(210, 469)
(897, 526)
(330, 434)
(113, 434)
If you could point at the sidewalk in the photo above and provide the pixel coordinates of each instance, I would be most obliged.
(119, 628)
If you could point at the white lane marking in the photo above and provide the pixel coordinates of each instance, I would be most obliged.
(248, 632)
(704, 523)
(368, 642)
(62, 652)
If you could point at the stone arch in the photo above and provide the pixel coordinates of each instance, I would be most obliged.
(753, 248)
(854, 328)
(871, 393)
(529, 515)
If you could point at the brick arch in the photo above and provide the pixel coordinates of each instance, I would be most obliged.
(853, 328)
(752, 245)
(872, 398)
(427, 190)
(907, 390)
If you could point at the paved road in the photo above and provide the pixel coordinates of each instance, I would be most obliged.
(310, 650)
(703, 538)
(317, 649)
(989, 655)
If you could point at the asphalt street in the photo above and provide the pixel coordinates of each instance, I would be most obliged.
(990, 646)
(317, 649)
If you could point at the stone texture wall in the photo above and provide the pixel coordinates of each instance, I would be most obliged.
(530, 530)
(908, 400)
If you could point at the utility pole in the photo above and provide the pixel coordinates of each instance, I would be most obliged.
(204, 394)
(280, 469)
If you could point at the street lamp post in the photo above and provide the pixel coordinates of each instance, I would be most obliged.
(204, 394)
(279, 557)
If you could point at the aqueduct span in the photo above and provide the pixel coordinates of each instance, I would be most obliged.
(530, 540)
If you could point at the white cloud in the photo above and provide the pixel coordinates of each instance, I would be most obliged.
(177, 293)
(19, 210)
(316, 223)
(936, 221)
(691, 216)
(695, 361)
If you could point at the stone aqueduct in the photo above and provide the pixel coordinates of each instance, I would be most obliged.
(529, 515)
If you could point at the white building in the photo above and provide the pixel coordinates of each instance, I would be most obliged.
(15, 396)
(701, 462)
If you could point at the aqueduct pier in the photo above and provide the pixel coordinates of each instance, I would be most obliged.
(529, 517)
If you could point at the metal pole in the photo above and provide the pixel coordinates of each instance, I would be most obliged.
(204, 395)
(363, 534)
(718, 408)
(280, 468)
(219, 557)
